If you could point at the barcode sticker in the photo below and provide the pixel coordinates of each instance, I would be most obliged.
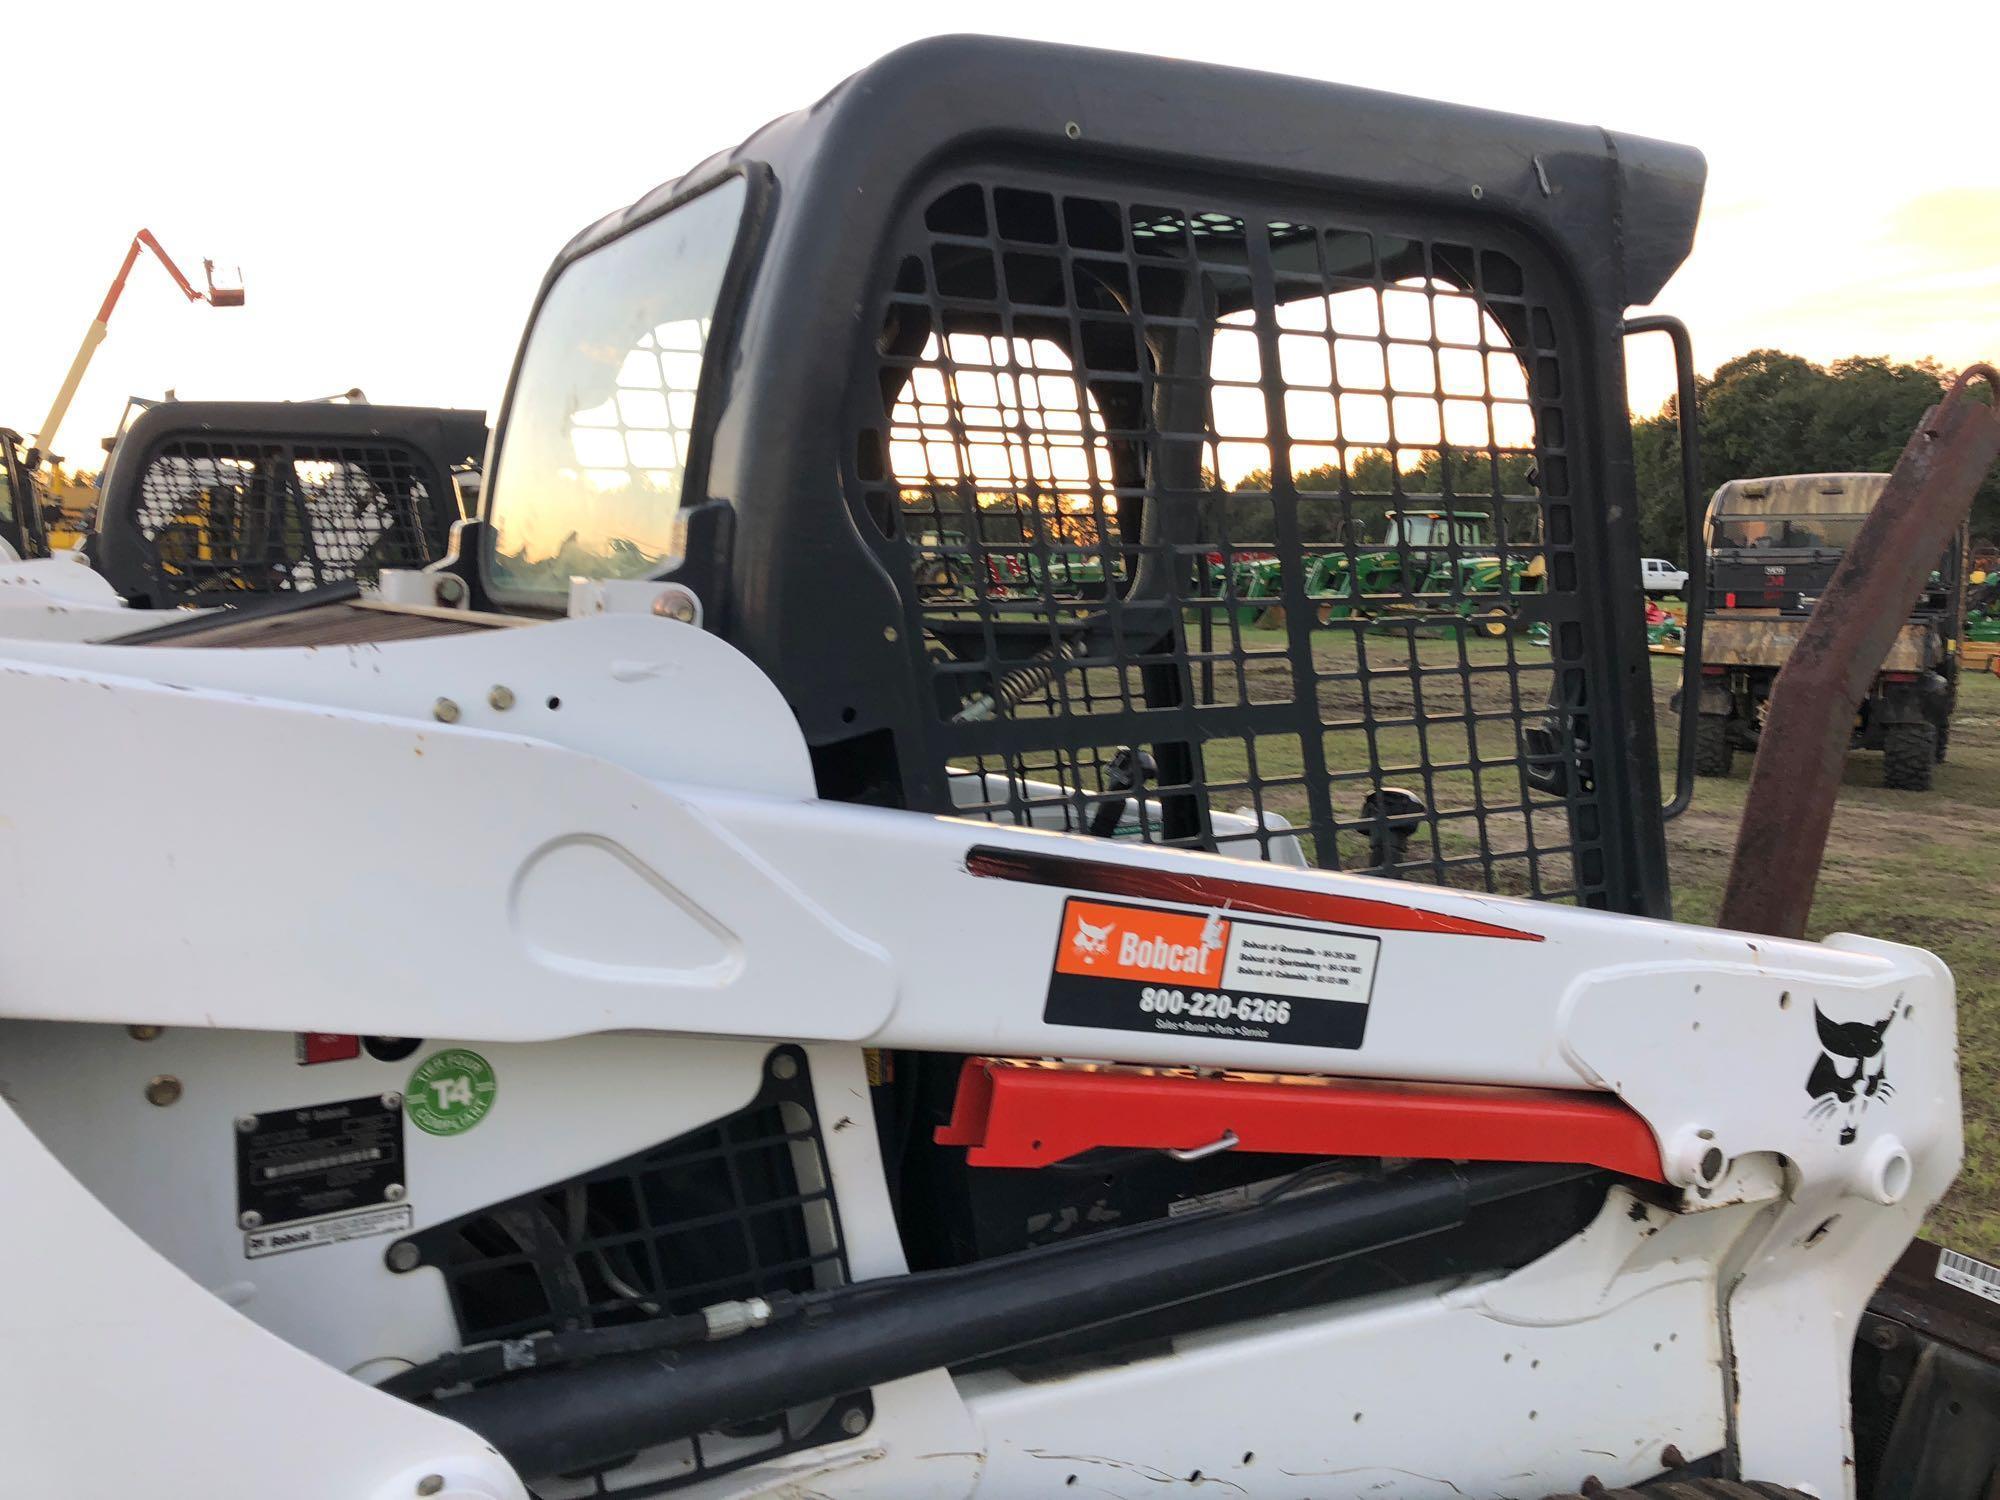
(1969, 1275)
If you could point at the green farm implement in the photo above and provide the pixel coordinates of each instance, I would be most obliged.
(1427, 562)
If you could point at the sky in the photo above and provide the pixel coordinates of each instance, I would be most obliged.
(393, 180)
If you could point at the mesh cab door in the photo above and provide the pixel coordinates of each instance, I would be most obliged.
(1245, 523)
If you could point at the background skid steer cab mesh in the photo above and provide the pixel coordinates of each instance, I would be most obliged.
(230, 518)
(1223, 524)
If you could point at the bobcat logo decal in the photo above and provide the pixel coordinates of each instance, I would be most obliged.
(1092, 941)
(1851, 1071)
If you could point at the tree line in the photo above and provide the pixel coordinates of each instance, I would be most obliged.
(1768, 412)
(1354, 506)
(1763, 413)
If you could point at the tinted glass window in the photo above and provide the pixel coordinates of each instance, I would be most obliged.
(595, 443)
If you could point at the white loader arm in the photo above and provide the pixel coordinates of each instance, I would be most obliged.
(296, 841)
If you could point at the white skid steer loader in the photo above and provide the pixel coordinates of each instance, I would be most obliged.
(209, 506)
(820, 952)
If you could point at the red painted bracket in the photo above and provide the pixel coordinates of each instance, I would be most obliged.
(1014, 1112)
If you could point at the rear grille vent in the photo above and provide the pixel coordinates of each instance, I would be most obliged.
(742, 1207)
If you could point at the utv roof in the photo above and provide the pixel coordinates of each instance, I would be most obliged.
(1799, 495)
(870, 132)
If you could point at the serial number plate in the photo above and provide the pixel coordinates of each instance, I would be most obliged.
(317, 1160)
(1969, 1275)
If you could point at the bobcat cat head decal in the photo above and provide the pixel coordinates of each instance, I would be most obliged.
(1851, 1071)
(1091, 940)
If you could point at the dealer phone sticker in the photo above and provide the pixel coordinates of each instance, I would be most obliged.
(1214, 974)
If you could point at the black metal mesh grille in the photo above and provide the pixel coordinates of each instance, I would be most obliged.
(228, 518)
(742, 1207)
(1266, 509)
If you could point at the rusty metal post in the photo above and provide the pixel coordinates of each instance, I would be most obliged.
(1802, 749)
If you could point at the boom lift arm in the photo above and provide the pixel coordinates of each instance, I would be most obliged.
(215, 296)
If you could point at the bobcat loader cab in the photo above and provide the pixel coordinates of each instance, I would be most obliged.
(242, 506)
(719, 1014)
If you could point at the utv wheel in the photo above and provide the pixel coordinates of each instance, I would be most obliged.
(1713, 754)
(1692, 1489)
(1909, 756)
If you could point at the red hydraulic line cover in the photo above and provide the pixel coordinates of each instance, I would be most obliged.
(1021, 1113)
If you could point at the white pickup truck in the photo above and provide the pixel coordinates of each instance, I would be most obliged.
(1658, 576)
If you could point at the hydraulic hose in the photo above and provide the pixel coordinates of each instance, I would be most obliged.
(573, 1419)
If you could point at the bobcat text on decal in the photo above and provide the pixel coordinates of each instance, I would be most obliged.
(1157, 953)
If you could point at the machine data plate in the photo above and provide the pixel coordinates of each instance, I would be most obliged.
(316, 1161)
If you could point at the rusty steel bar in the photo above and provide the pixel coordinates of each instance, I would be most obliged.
(1802, 749)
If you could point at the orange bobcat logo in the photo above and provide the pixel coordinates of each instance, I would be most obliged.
(1092, 941)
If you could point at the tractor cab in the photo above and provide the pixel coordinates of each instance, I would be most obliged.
(1440, 530)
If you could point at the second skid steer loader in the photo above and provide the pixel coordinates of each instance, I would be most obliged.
(233, 505)
(675, 1000)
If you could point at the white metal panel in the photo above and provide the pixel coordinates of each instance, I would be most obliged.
(1445, 1007)
(62, 598)
(123, 1378)
(1587, 1362)
(1415, 1396)
(656, 697)
(1795, 1313)
(276, 866)
(169, 1173)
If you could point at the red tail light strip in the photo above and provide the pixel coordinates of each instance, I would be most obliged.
(1232, 895)
(1019, 1113)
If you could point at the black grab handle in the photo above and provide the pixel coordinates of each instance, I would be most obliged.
(1694, 509)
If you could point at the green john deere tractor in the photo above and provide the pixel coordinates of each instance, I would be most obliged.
(1428, 561)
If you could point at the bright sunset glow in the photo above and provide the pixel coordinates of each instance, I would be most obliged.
(1359, 368)
(1006, 412)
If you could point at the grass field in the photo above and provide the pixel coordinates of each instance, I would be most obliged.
(1917, 868)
